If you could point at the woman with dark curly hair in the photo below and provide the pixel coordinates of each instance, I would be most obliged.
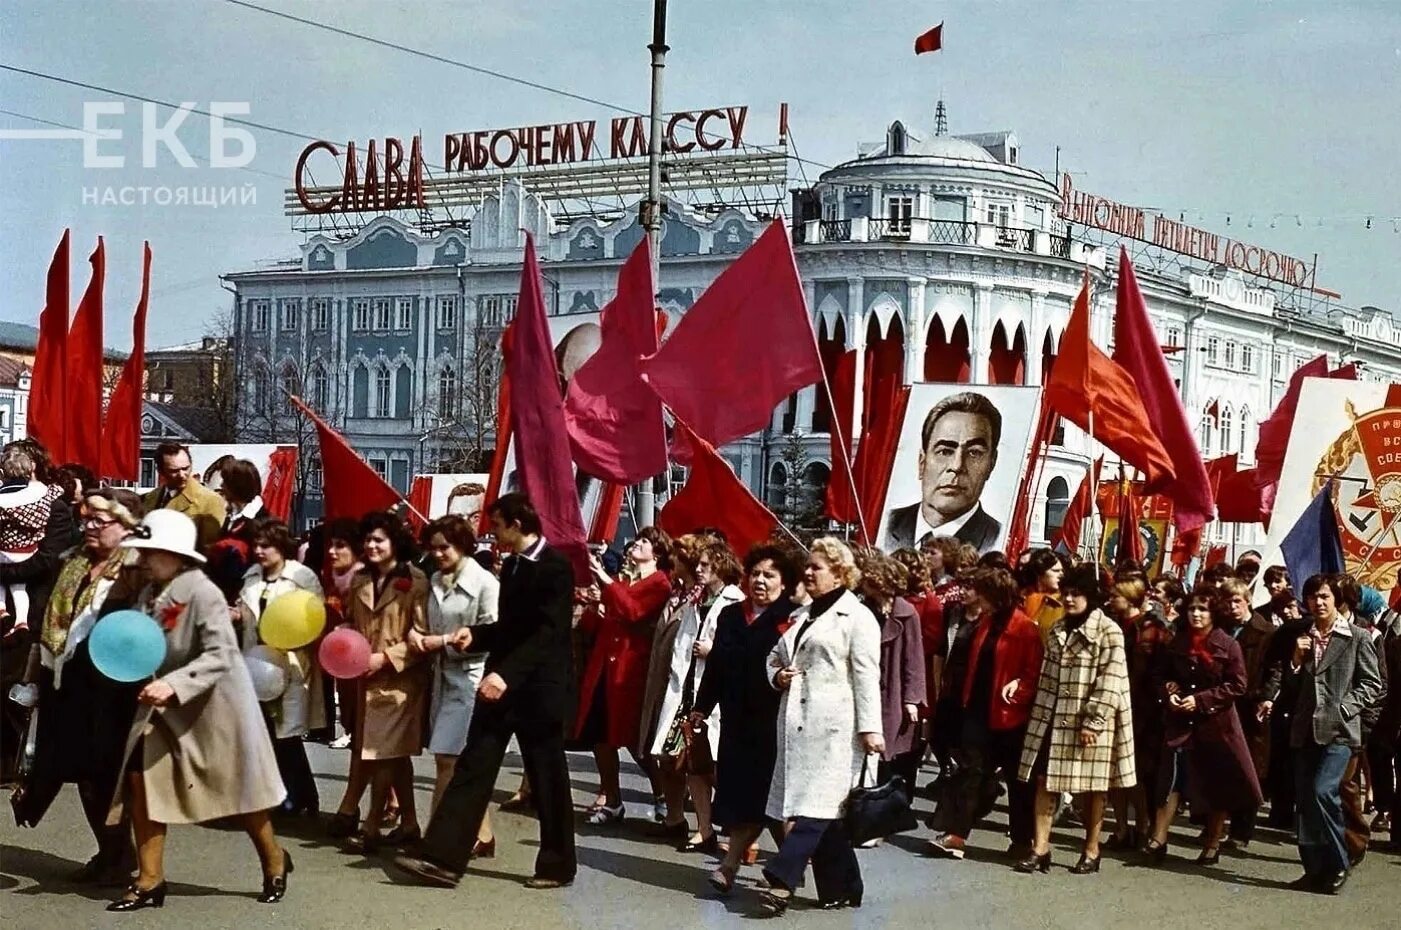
(1040, 579)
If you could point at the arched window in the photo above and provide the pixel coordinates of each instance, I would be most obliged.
(359, 391)
(383, 391)
(1247, 444)
(447, 392)
(815, 478)
(320, 387)
(1057, 503)
(777, 491)
(1228, 436)
(291, 386)
(1208, 427)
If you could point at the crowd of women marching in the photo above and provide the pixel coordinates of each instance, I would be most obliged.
(756, 689)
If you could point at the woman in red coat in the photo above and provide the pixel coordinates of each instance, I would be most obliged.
(1004, 665)
(610, 700)
(1200, 677)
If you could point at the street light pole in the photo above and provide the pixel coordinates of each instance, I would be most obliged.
(652, 208)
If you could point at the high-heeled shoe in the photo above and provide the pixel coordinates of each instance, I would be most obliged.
(1034, 863)
(402, 836)
(366, 844)
(773, 901)
(147, 897)
(851, 900)
(1086, 865)
(484, 849)
(722, 880)
(275, 886)
(709, 845)
(1155, 852)
(1210, 856)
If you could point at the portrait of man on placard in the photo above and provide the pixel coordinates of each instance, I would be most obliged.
(957, 466)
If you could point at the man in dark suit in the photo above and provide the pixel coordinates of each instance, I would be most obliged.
(527, 691)
(958, 452)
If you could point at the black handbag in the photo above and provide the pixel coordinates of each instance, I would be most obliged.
(875, 813)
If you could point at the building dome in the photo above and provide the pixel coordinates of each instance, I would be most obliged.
(948, 148)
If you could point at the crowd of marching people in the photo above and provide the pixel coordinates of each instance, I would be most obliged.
(754, 690)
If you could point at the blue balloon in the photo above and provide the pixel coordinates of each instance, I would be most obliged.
(127, 646)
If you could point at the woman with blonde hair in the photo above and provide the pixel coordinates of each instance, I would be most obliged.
(827, 667)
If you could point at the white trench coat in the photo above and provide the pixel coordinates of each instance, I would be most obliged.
(827, 706)
(471, 600)
(692, 628)
(302, 706)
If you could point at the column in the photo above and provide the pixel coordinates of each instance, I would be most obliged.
(856, 339)
(980, 339)
(1035, 334)
(914, 331)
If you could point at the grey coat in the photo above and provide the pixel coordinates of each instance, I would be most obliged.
(207, 754)
(1331, 696)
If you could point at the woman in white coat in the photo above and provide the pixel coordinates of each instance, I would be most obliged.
(301, 706)
(701, 561)
(461, 594)
(829, 723)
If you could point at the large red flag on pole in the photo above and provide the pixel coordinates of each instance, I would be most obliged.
(714, 496)
(84, 370)
(1137, 351)
(1086, 384)
(1130, 546)
(48, 413)
(615, 422)
(746, 345)
(351, 487)
(121, 431)
(537, 421)
(840, 502)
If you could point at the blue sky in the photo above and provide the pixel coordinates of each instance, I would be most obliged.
(1279, 112)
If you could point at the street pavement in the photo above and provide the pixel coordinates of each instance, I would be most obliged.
(627, 879)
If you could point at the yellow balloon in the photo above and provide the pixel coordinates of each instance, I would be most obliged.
(292, 620)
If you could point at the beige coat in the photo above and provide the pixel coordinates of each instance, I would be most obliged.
(207, 754)
(395, 703)
(207, 508)
(302, 705)
(825, 709)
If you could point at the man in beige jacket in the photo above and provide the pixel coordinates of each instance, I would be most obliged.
(180, 490)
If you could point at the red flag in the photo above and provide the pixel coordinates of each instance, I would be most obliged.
(420, 500)
(1240, 498)
(714, 496)
(83, 369)
(876, 456)
(1087, 382)
(842, 379)
(48, 415)
(931, 41)
(1274, 429)
(1068, 536)
(1020, 530)
(503, 434)
(121, 431)
(605, 519)
(280, 482)
(615, 422)
(745, 346)
(351, 487)
(1136, 350)
(1215, 556)
(537, 422)
(1130, 546)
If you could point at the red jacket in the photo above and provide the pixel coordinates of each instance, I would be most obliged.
(621, 648)
(1016, 657)
(931, 625)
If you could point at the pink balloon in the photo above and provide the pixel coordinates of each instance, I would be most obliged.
(345, 653)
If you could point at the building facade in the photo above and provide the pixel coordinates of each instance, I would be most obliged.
(942, 256)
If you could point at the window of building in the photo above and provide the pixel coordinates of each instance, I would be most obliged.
(1228, 436)
(4, 418)
(1247, 359)
(168, 379)
(360, 315)
(496, 310)
(260, 390)
(829, 210)
(1057, 503)
(447, 393)
(320, 314)
(383, 389)
(1245, 441)
(258, 312)
(403, 316)
(1277, 364)
(291, 315)
(999, 214)
(380, 464)
(320, 388)
(447, 313)
(899, 210)
(1213, 350)
(382, 307)
(1035, 216)
(1174, 336)
(291, 386)
(148, 473)
(313, 473)
(1230, 354)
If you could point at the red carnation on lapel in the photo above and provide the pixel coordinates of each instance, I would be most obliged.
(402, 584)
(171, 614)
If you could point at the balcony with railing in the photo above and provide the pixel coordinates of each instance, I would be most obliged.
(921, 230)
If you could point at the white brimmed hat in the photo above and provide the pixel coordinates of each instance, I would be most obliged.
(167, 531)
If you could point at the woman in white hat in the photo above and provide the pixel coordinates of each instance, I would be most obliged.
(199, 749)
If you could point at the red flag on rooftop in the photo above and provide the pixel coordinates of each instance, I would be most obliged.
(83, 369)
(931, 41)
(1085, 382)
(537, 422)
(121, 430)
(714, 496)
(614, 421)
(1135, 350)
(746, 345)
(47, 411)
(351, 487)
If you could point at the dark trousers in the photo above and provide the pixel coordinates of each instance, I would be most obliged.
(1243, 824)
(1281, 777)
(826, 844)
(1385, 762)
(981, 753)
(540, 732)
(1318, 775)
(295, 769)
(1357, 831)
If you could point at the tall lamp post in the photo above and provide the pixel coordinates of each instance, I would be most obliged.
(652, 210)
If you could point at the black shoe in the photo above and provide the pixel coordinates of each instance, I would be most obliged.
(836, 904)
(1209, 856)
(1034, 863)
(364, 844)
(402, 836)
(427, 873)
(150, 897)
(1305, 882)
(1334, 884)
(710, 846)
(275, 886)
(672, 831)
(1155, 852)
(774, 901)
(341, 826)
(1086, 865)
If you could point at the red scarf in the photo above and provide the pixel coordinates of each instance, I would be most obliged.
(1197, 644)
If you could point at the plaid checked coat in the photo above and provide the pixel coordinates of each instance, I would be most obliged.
(1084, 684)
